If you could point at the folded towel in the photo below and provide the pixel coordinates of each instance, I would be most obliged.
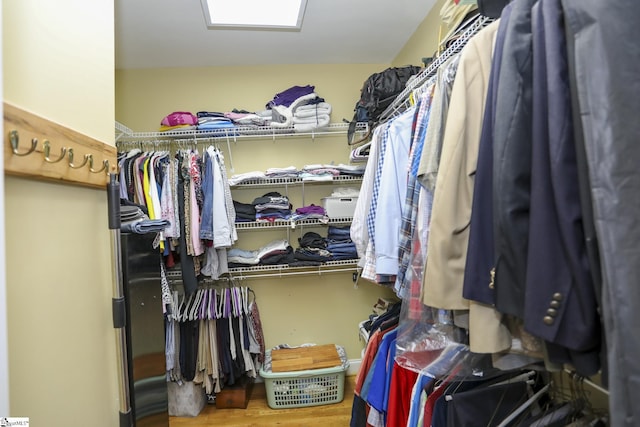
(321, 122)
(319, 112)
(308, 110)
(322, 119)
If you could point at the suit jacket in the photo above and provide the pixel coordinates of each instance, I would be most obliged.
(478, 285)
(511, 162)
(560, 299)
(605, 39)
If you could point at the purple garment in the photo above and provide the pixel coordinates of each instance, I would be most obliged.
(311, 209)
(287, 97)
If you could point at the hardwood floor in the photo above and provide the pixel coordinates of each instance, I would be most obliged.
(259, 414)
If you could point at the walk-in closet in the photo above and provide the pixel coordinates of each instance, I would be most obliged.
(409, 213)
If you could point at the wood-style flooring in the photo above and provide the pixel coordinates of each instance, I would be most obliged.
(259, 414)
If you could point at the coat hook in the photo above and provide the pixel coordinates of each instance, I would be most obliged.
(105, 165)
(15, 141)
(47, 150)
(71, 165)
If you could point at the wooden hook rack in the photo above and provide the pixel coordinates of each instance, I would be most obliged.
(37, 148)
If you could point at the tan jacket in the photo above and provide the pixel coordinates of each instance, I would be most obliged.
(453, 196)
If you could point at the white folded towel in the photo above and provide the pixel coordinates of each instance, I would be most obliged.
(322, 118)
(318, 123)
(310, 110)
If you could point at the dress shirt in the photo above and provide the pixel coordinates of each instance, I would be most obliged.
(359, 233)
(393, 188)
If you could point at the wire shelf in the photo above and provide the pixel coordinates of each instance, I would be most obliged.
(270, 182)
(237, 133)
(285, 223)
(281, 270)
(286, 270)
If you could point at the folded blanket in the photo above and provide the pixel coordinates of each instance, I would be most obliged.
(322, 122)
(282, 117)
(321, 119)
(310, 124)
(310, 110)
(319, 112)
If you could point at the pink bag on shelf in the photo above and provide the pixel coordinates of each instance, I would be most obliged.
(180, 118)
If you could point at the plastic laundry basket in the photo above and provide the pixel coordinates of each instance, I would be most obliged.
(304, 388)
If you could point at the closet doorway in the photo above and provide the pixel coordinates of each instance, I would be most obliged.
(4, 345)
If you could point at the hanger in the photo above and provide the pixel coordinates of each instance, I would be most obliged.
(245, 300)
(211, 304)
(524, 406)
(202, 310)
(522, 377)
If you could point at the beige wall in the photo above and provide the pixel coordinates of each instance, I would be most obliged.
(58, 63)
(424, 41)
(144, 97)
(294, 310)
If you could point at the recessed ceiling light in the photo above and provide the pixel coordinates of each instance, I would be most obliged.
(254, 14)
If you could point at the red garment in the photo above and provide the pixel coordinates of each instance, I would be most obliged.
(369, 354)
(402, 381)
(431, 401)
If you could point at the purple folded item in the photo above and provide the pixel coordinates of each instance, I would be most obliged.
(180, 118)
(311, 209)
(286, 98)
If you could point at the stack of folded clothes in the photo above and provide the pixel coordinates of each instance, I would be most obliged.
(301, 108)
(339, 243)
(271, 207)
(247, 176)
(288, 172)
(311, 212)
(213, 121)
(350, 170)
(246, 118)
(272, 253)
(245, 212)
(318, 172)
(312, 250)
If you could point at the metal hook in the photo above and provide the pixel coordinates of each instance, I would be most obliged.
(47, 150)
(71, 165)
(105, 165)
(15, 141)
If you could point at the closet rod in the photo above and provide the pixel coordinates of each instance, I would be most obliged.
(400, 103)
(576, 376)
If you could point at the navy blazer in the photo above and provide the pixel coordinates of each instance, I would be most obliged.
(478, 285)
(560, 299)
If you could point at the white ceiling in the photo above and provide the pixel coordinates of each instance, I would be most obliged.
(172, 33)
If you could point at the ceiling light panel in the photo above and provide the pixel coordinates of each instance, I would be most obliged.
(254, 14)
